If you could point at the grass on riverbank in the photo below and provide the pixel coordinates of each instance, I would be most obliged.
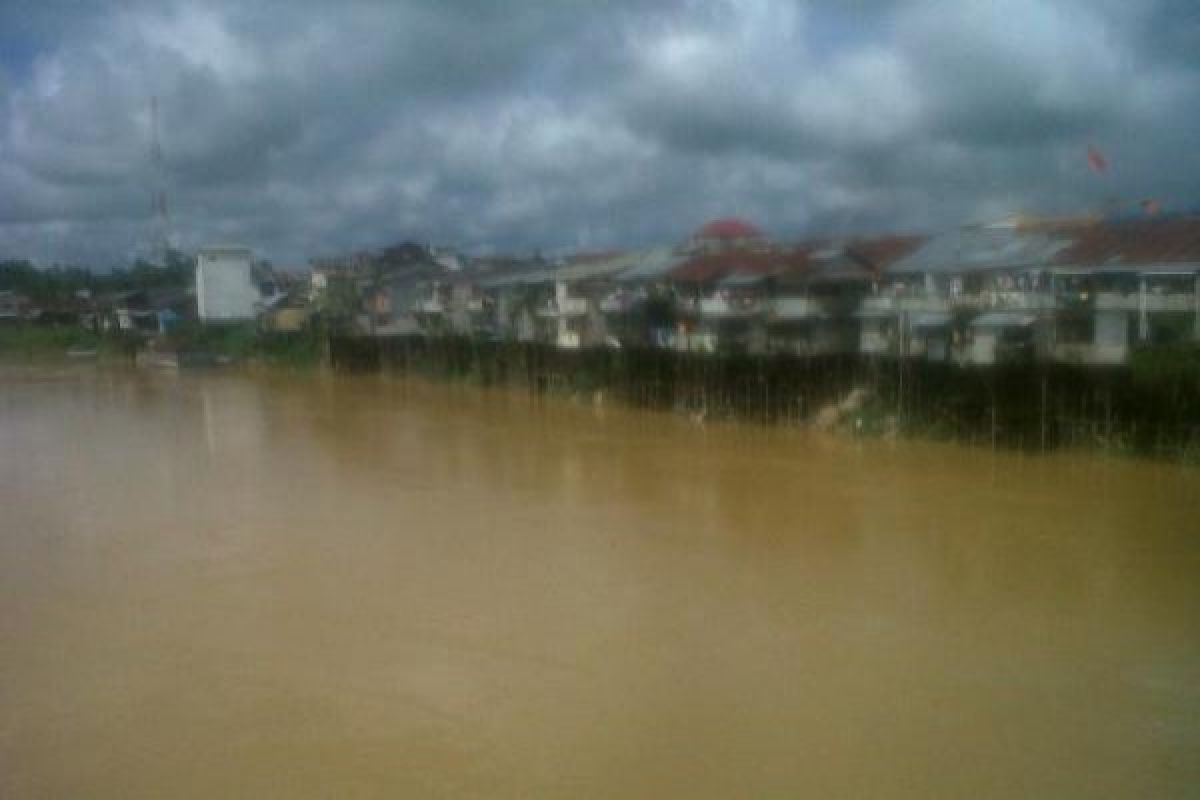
(240, 343)
(244, 343)
(1151, 406)
(24, 342)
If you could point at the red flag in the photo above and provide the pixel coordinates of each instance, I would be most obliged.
(1150, 207)
(1096, 160)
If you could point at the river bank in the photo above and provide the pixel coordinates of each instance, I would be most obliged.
(1151, 408)
(226, 344)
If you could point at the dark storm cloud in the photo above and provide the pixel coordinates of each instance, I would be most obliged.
(301, 128)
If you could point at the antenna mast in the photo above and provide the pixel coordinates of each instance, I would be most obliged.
(158, 193)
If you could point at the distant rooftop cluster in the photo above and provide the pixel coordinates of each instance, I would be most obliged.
(1083, 290)
(730, 247)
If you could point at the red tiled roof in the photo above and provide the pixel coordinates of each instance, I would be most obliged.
(1135, 242)
(880, 252)
(710, 267)
(861, 257)
(728, 228)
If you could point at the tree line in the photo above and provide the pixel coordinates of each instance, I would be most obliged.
(59, 285)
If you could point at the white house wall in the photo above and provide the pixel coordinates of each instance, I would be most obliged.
(225, 289)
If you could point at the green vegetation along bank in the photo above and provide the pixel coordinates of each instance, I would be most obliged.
(238, 344)
(1150, 407)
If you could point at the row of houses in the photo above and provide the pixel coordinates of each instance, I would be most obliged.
(1085, 291)
(147, 311)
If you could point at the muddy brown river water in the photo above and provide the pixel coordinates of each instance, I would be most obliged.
(219, 585)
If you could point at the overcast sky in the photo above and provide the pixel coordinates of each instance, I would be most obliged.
(304, 128)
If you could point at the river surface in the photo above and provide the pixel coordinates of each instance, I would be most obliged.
(222, 585)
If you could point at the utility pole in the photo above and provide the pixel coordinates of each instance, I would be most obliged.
(158, 193)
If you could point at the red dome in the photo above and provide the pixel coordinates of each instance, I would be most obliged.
(728, 228)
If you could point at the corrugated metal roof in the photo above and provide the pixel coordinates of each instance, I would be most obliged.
(711, 267)
(856, 259)
(630, 265)
(969, 249)
(836, 264)
(518, 279)
(651, 265)
(596, 265)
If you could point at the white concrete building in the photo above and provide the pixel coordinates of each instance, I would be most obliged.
(225, 288)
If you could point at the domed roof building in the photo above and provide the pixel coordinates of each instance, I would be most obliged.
(726, 233)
